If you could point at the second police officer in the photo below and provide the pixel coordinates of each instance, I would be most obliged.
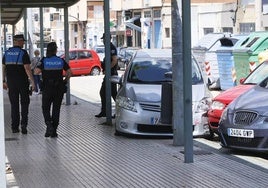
(53, 87)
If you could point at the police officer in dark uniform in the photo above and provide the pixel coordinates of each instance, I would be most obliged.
(114, 67)
(16, 75)
(53, 87)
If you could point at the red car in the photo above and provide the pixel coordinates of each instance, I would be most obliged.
(220, 102)
(84, 62)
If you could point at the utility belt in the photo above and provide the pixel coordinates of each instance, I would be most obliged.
(52, 82)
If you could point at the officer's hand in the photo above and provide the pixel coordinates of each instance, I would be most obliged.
(5, 87)
(33, 88)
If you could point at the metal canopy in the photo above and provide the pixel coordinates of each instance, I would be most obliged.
(11, 11)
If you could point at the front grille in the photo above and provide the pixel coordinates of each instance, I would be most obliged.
(213, 124)
(246, 142)
(244, 117)
(154, 128)
(151, 107)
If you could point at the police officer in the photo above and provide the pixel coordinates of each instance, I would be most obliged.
(54, 87)
(114, 66)
(16, 74)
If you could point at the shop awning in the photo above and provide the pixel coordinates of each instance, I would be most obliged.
(11, 11)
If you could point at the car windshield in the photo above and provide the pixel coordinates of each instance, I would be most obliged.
(100, 50)
(129, 53)
(149, 70)
(258, 74)
(153, 71)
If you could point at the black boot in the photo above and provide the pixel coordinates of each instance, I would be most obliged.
(24, 129)
(49, 129)
(54, 131)
(101, 114)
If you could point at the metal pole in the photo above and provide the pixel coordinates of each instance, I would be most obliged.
(25, 18)
(187, 78)
(107, 61)
(5, 37)
(41, 40)
(66, 45)
(2, 123)
(177, 76)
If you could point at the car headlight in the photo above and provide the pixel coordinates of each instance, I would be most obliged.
(126, 103)
(216, 105)
(224, 115)
(203, 105)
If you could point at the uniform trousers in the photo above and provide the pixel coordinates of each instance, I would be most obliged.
(18, 92)
(52, 95)
(103, 94)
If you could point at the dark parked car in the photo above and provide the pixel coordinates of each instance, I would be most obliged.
(244, 123)
(125, 55)
(221, 101)
(100, 50)
(84, 62)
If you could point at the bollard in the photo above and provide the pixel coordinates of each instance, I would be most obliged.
(166, 100)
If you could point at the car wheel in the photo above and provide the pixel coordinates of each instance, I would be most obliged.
(95, 71)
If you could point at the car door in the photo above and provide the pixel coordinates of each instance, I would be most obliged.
(79, 62)
(83, 60)
(73, 62)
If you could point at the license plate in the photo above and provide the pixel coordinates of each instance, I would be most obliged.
(244, 133)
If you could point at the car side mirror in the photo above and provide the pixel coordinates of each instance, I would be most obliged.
(209, 83)
(116, 79)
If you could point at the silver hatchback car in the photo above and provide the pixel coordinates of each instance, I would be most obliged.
(138, 102)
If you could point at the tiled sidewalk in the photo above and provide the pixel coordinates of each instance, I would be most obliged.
(87, 154)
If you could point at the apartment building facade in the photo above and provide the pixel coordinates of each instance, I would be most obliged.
(232, 16)
(146, 23)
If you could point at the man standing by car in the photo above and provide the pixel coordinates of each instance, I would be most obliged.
(16, 74)
(113, 72)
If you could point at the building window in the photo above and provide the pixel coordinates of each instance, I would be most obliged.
(147, 14)
(75, 28)
(75, 41)
(167, 32)
(227, 29)
(36, 17)
(90, 8)
(119, 18)
(56, 16)
(247, 27)
(46, 10)
(157, 13)
(137, 14)
(98, 12)
(208, 30)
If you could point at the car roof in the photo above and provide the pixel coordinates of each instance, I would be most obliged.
(98, 46)
(153, 53)
(75, 49)
(130, 48)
